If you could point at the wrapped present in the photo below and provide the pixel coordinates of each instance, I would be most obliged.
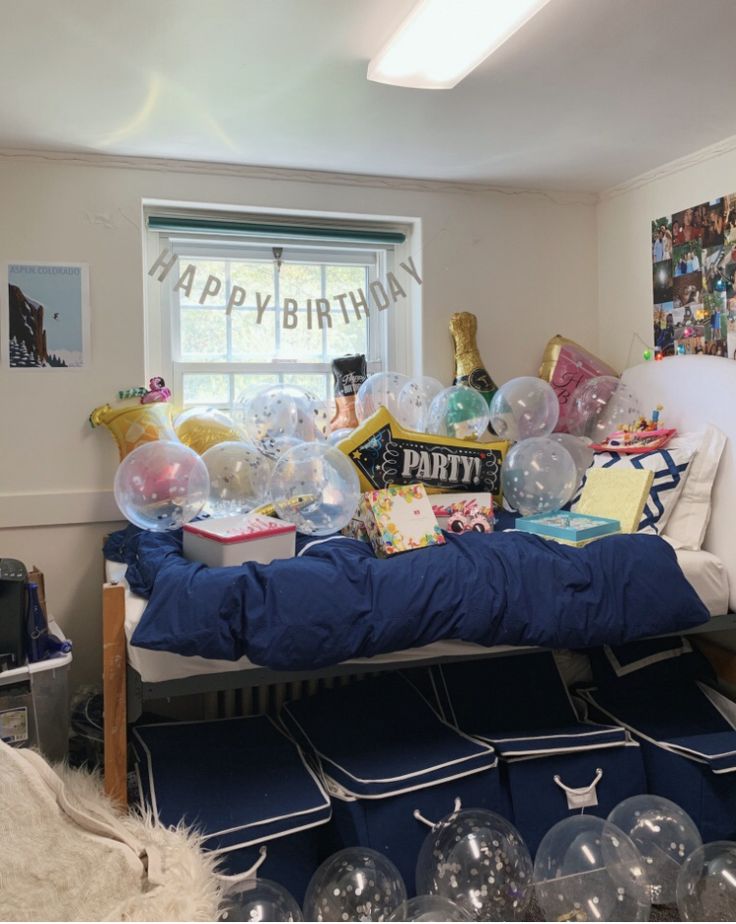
(461, 513)
(223, 542)
(399, 518)
(356, 529)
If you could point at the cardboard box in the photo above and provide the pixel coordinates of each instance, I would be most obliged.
(398, 519)
(229, 541)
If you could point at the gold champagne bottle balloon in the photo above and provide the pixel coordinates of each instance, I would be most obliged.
(469, 368)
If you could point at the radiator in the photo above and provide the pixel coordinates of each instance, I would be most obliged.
(269, 698)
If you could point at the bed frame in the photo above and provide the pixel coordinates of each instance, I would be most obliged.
(693, 389)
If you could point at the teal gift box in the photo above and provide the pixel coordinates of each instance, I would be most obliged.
(569, 528)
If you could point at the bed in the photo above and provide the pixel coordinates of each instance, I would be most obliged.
(692, 389)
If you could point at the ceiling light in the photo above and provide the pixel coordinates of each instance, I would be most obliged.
(441, 41)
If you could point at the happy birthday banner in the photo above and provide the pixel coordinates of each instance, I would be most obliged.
(318, 312)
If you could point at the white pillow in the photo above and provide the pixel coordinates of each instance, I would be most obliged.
(688, 522)
(670, 466)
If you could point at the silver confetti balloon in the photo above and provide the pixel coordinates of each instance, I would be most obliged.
(355, 884)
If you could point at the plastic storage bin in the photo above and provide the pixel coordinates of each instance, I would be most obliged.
(34, 704)
(552, 764)
(687, 729)
(385, 756)
(244, 785)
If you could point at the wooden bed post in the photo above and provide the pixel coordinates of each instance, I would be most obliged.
(113, 690)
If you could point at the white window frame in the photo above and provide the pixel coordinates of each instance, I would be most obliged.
(389, 331)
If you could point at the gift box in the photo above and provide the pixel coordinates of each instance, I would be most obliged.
(398, 519)
(568, 528)
(462, 513)
(230, 541)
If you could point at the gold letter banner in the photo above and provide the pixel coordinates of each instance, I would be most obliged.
(385, 453)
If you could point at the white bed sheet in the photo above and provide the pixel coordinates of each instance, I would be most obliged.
(702, 569)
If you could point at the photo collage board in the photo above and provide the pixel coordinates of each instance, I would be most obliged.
(693, 280)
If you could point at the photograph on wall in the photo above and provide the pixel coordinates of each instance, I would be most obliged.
(47, 322)
(693, 279)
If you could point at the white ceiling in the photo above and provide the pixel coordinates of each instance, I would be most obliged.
(586, 95)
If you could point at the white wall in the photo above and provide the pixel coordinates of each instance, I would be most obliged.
(624, 242)
(524, 263)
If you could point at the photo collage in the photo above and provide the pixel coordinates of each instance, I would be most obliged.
(693, 280)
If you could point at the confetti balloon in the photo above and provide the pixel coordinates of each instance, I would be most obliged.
(239, 476)
(459, 412)
(429, 908)
(283, 411)
(479, 861)
(316, 487)
(259, 900)
(161, 485)
(415, 399)
(355, 884)
(706, 883)
(201, 428)
(379, 390)
(524, 407)
(579, 449)
(665, 835)
(601, 406)
(538, 476)
(337, 436)
(587, 869)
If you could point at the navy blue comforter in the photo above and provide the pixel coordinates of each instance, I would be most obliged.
(337, 601)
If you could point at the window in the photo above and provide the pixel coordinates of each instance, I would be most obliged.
(238, 312)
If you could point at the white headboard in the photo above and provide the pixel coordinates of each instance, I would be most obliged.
(696, 390)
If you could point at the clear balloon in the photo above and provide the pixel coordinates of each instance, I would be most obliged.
(259, 900)
(337, 436)
(202, 428)
(379, 390)
(524, 407)
(579, 449)
(479, 861)
(665, 835)
(587, 869)
(429, 908)
(316, 487)
(355, 884)
(415, 399)
(284, 411)
(161, 485)
(706, 884)
(538, 476)
(601, 406)
(460, 412)
(239, 477)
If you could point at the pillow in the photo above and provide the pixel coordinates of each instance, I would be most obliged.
(670, 468)
(688, 522)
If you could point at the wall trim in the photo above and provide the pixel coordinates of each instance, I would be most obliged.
(284, 174)
(57, 509)
(703, 155)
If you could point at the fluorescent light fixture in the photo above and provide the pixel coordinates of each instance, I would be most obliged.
(442, 41)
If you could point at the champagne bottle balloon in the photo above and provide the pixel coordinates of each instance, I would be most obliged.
(469, 367)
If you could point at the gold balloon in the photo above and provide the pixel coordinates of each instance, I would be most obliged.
(133, 423)
(202, 428)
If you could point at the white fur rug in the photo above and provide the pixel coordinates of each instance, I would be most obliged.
(66, 855)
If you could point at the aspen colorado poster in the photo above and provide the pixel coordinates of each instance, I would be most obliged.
(48, 316)
(693, 279)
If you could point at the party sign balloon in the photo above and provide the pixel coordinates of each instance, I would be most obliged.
(665, 835)
(429, 908)
(538, 476)
(587, 869)
(355, 884)
(524, 407)
(315, 487)
(201, 428)
(284, 411)
(601, 406)
(239, 477)
(415, 399)
(161, 485)
(259, 900)
(706, 883)
(459, 412)
(479, 861)
(379, 390)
